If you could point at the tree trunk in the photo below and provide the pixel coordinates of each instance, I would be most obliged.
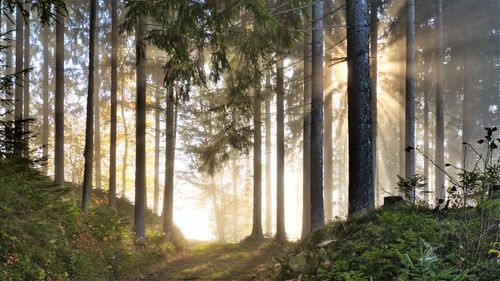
(168, 197)
(257, 168)
(439, 175)
(114, 89)
(361, 189)
(87, 172)
(328, 89)
(268, 158)
(468, 108)
(374, 7)
(125, 149)
(280, 161)
(234, 213)
(97, 117)
(410, 94)
(140, 154)
(317, 212)
(427, 95)
(59, 101)
(156, 190)
(18, 95)
(26, 82)
(306, 134)
(8, 62)
(45, 93)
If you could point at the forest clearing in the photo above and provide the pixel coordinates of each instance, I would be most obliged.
(249, 140)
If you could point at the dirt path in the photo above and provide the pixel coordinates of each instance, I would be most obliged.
(207, 261)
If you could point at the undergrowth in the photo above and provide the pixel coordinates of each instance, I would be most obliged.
(45, 236)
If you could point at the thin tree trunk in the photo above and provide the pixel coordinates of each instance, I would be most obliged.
(306, 134)
(410, 94)
(317, 211)
(168, 197)
(114, 89)
(234, 213)
(280, 161)
(87, 172)
(97, 117)
(374, 6)
(156, 190)
(439, 175)
(328, 89)
(268, 158)
(361, 189)
(26, 82)
(125, 150)
(257, 168)
(8, 62)
(45, 90)
(427, 96)
(140, 154)
(18, 103)
(59, 101)
(467, 111)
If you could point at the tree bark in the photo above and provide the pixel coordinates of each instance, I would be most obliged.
(468, 101)
(234, 213)
(317, 211)
(361, 189)
(8, 62)
(114, 89)
(410, 94)
(328, 89)
(306, 134)
(374, 9)
(427, 95)
(18, 94)
(87, 172)
(59, 101)
(168, 197)
(45, 93)
(268, 158)
(125, 149)
(140, 155)
(439, 175)
(156, 190)
(26, 80)
(97, 109)
(280, 161)
(257, 168)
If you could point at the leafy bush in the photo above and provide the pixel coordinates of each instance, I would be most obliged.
(46, 237)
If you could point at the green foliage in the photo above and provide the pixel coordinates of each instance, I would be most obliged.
(408, 185)
(408, 243)
(44, 235)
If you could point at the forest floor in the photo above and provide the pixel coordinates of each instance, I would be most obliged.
(211, 261)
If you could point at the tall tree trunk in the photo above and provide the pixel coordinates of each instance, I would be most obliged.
(361, 189)
(234, 212)
(87, 172)
(156, 190)
(8, 61)
(427, 95)
(168, 197)
(59, 101)
(374, 7)
(306, 134)
(114, 89)
(140, 154)
(125, 149)
(257, 167)
(45, 90)
(97, 109)
(439, 175)
(18, 103)
(328, 89)
(26, 82)
(280, 161)
(268, 157)
(410, 93)
(317, 211)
